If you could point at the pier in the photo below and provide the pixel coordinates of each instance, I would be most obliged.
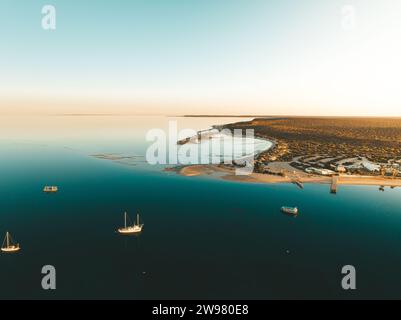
(294, 177)
(299, 184)
(334, 184)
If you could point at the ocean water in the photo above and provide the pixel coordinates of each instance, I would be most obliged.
(203, 237)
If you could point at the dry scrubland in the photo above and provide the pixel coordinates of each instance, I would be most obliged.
(377, 139)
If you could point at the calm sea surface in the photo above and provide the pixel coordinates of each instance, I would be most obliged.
(203, 237)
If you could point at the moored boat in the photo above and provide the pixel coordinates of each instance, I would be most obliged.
(290, 210)
(50, 189)
(9, 245)
(132, 229)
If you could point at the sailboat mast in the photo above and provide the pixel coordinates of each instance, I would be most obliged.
(125, 219)
(137, 219)
(8, 239)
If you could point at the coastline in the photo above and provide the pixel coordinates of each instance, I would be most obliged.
(295, 156)
(228, 174)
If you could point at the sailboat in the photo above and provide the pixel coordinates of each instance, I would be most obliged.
(9, 245)
(135, 228)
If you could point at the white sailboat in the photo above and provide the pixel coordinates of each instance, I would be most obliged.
(9, 245)
(135, 228)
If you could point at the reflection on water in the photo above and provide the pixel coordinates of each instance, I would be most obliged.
(203, 238)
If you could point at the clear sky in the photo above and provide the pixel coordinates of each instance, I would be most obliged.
(205, 56)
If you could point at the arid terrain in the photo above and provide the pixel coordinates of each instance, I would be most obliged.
(327, 143)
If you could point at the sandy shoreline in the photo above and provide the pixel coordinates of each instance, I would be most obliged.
(227, 173)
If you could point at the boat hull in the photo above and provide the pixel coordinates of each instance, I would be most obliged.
(133, 230)
(291, 211)
(10, 249)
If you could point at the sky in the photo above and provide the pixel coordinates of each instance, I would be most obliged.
(278, 57)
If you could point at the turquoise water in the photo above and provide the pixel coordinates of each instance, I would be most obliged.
(203, 237)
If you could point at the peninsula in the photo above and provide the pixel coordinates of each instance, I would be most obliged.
(335, 150)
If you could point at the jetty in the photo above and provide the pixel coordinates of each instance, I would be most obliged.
(298, 183)
(334, 184)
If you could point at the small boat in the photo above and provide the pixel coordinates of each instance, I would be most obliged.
(290, 210)
(135, 228)
(50, 189)
(9, 245)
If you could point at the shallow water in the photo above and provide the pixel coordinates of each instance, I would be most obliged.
(203, 237)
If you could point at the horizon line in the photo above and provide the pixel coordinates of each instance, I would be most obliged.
(203, 115)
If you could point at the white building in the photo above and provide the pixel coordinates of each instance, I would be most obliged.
(323, 172)
(371, 166)
(341, 169)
